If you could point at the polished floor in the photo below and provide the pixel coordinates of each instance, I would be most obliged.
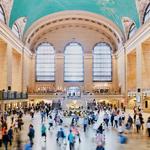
(135, 141)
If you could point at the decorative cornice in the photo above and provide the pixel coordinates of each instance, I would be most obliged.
(8, 36)
(140, 36)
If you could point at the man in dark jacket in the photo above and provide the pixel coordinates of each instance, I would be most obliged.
(5, 140)
(10, 135)
(31, 133)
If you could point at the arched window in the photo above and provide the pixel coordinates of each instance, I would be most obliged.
(132, 31)
(73, 63)
(147, 14)
(2, 14)
(45, 62)
(102, 63)
(15, 30)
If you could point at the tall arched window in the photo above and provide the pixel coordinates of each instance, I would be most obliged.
(15, 30)
(73, 65)
(45, 62)
(102, 63)
(2, 14)
(132, 30)
(147, 14)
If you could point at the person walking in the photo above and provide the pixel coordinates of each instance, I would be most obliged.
(43, 131)
(50, 120)
(10, 135)
(85, 123)
(129, 122)
(16, 126)
(148, 126)
(116, 120)
(112, 119)
(138, 124)
(31, 134)
(60, 136)
(141, 121)
(5, 140)
(71, 139)
(12, 119)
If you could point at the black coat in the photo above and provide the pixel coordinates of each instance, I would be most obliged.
(5, 138)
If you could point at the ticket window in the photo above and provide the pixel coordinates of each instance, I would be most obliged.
(73, 92)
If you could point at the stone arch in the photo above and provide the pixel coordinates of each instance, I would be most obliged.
(57, 19)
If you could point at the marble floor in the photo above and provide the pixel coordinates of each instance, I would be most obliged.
(135, 141)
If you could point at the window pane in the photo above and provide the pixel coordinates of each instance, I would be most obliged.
(45, 62)
(2, 15)
(132, 31)
(147, 14)
(73, 63)
(15, 30)
(102, 62)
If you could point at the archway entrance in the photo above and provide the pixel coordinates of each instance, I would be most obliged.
(73, 92)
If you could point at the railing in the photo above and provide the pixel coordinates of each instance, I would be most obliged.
(12, 95)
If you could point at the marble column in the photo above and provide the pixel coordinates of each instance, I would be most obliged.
(9, 65)
(139, 58)
(88, 79)
(114, 73)
(59, 71)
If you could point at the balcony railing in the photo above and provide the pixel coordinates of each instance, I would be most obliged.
(13, 95)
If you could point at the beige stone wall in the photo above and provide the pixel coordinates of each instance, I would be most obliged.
(3, 66)
(88, 64)
(26, 71)
(121, 70)
(88, 38)
(131, 71)
(16, 71)
(59, 71)
(31, 87)
(146, 66)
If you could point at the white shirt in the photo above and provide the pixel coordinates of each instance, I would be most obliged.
(50, 120)
(148, 124)
(116, 118)
(120, 129)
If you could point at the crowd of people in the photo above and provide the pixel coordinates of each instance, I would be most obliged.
(102, 117)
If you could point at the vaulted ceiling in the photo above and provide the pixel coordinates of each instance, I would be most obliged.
(114, 10)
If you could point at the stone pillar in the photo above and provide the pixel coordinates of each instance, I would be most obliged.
(32, 79)
(88, 72)
(59, 71)
(122, 72)
(139, 60)
(3, 65)
(25, 71)
(114, 73)
(9, 65)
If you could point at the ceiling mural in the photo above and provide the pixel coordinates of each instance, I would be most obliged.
(114, 10)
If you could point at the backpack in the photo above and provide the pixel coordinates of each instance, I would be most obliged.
(31, 133)
(100, 148)
(60, 134)
(123, 139)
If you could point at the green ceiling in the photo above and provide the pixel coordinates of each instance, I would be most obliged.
(112, 9)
